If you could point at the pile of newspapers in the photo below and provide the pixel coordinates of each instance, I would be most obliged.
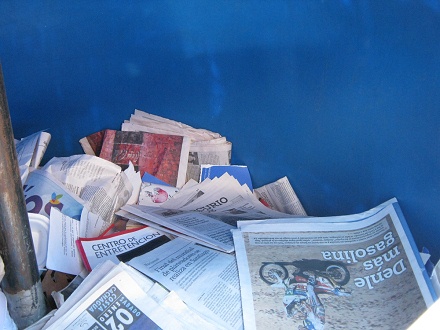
(152, 227)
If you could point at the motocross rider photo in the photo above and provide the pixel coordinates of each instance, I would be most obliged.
(301, 296)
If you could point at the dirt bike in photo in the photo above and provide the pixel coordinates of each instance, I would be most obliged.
(303, 281)
(335, 271)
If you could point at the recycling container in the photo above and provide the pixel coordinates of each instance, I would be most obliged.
(339, 96)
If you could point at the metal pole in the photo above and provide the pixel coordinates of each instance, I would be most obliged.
(21, 283)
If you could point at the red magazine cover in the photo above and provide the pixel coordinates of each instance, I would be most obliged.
(163, 156)
(92, 143)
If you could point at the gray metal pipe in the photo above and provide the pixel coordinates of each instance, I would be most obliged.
(21, 283)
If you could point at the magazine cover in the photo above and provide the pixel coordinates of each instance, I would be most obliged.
(331, 273)
(161, 155)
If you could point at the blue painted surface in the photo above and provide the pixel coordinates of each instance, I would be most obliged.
(340, 96)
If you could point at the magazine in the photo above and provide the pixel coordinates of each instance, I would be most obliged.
(357, 271)
(43, 192)
(206, 147)
(162, 155)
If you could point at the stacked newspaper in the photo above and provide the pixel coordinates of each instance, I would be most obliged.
(205, 212)
(118, 297)
(206, 147)
(359, 271)
(211, 253)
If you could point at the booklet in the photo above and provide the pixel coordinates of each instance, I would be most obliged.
(359, 271)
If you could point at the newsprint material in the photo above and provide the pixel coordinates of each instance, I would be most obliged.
(119, 246)
(116, 301)
(205, 279)
(118, 297)
(202, 228)
(280, 196)
(359, 271)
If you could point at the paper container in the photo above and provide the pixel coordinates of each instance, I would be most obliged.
(40, 236)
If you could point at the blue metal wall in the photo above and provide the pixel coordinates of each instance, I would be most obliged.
(340, 96)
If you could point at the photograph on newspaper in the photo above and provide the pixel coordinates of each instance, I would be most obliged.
(332, 273)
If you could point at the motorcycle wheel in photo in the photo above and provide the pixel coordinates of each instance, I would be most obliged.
(268, 271)
(338, 273)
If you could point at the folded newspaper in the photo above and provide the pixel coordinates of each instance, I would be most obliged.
(120, 246)
(30, 152)
(205, 279)
(205, 212)
(118, 297)
(359, 271)
(203, 147)
(289, 270)
(206, 147)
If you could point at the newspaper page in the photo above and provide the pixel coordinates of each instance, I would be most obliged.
(239, 172)
(119, 301)
(223, 198)
(30, 152)
(194, 224)
(280, 196)
(88, 284)
(120, 246)
(205, 279)
(342, 272)
(62, 253)
(136, 182)
(172, 303)
(148, 119)
(189, 192)
(102, 185)
(137, 220)
(191, 318)
(214, 154)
